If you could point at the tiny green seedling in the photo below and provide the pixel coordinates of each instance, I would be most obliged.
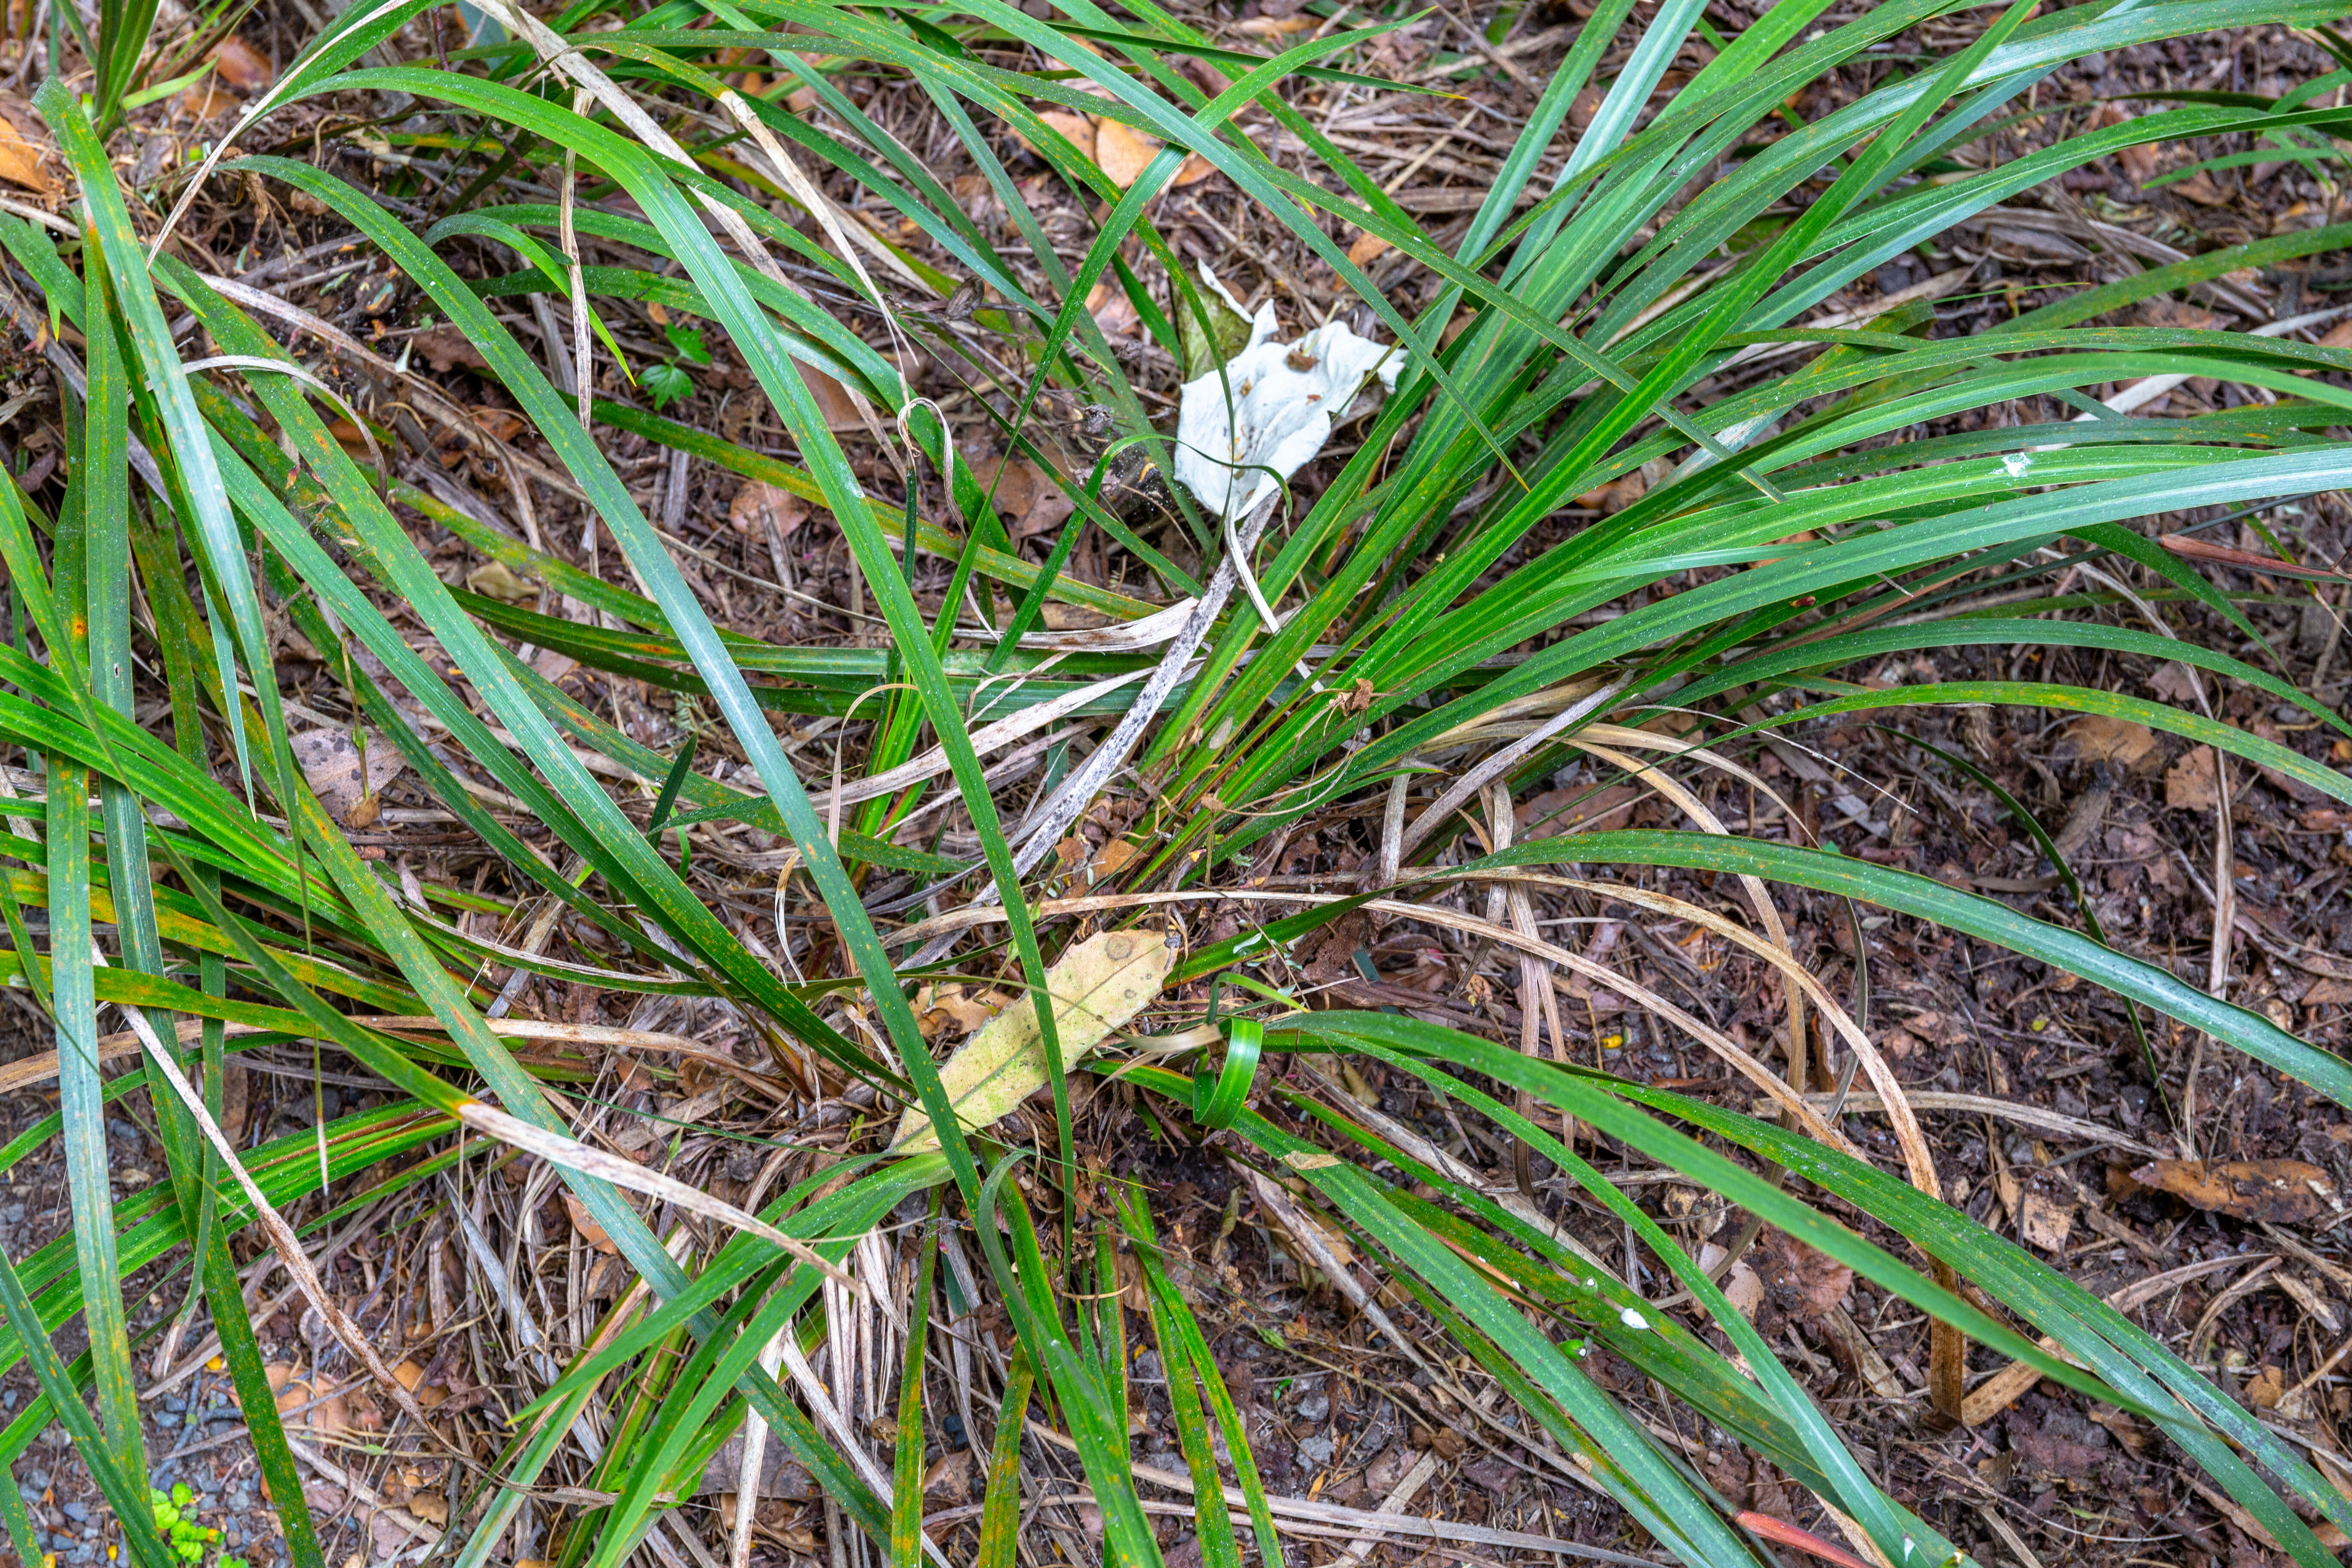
(175, 1520)
(666, 384)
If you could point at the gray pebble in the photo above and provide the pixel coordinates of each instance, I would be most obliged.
(77, 1511)
(1316, 1406)
(1316, 1451)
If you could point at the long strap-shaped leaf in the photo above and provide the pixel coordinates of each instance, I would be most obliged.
(1977, 916)
(118, 250)
(125, 1490)
(719, 282)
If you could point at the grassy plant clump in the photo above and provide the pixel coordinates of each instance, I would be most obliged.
(606, 701)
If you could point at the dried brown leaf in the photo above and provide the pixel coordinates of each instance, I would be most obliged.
(331, 765)
(2282, 1192)
(2191, 784)
(242, 66)
(761, 509)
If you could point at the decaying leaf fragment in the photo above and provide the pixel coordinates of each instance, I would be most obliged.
(1098, 984)
(2284, 1191)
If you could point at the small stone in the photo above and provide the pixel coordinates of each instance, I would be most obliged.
(1315, 1451)
(175, 1405)
(77, 1511)
(1316, 1406)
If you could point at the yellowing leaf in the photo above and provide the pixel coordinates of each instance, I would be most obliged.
(1098, 986)
(496, 580)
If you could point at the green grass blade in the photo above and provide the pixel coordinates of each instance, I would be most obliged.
(1000, 1508)
(907, 1501)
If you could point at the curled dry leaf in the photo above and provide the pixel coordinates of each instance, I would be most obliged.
(590, 1231)
(1233, 451)
(1367, 246)
(330, 760)
(2282, 1192)
(950, 1009)
(496, 580)
(1098, 984)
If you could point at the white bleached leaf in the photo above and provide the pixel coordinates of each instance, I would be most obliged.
(1283, 399)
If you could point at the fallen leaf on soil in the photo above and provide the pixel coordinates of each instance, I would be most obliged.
(1744, 1289)
(2339, 336)
(2267, 1388)
(1123, 153)
(590, 1231)
(329, 760)
(761, 509)
(1097, 986)
(445, 347)
(1193, 170)
(205, 101)
(1113, 311)
(2190, 783)
(2173, 681)
(1031, 502)
(2199, 188)
(2282, 1192)
(939, 1009)
(430, 1507)
(2064, 1444)
(20, 161)
(2139, 161)
(1114, 857)
(1803, 1282)
(833, 399)
(2170, 312)
(241, 65)
(2100, 737)
(1275, 26)
(2045, 1223)
(499, 423)
(1366, 248)
(1577, 809)
(496, 580)
(1077, 128)
(1938, 1028)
